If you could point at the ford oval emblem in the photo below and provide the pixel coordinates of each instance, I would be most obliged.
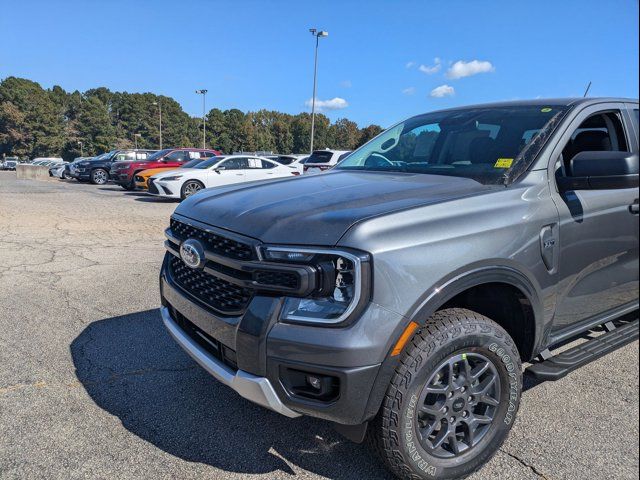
(192, 253)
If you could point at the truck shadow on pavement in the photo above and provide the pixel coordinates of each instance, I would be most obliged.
(132, 369)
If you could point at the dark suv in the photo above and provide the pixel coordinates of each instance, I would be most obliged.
(123, 172)
(97, 169)
(398, 294)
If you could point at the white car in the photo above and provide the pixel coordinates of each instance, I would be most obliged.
(57, 169)
(294, 161)
(215, 172)
(321, 160)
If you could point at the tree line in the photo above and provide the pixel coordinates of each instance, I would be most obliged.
(53, 122)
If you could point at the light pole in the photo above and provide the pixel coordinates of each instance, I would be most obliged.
(316, 34)
(135, 139)
(159, 105)
(203, 92)
(81, 150)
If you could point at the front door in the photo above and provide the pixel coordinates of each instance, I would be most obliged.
(598, 232)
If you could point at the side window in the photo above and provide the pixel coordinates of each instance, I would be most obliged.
(602, 132)
(239, 163)
(255, 163)
(179, 156)
(266, 164)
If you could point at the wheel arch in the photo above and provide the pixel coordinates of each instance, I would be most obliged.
(451, 291)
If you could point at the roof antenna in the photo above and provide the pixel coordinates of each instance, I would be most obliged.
(587, 90)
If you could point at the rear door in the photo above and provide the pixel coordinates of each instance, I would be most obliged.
(598, 233)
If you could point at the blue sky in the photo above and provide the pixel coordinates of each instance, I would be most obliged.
(379, 60)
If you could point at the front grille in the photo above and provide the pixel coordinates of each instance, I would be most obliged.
(210, 241)
(217, 293)
(280, 279)
(152, 187)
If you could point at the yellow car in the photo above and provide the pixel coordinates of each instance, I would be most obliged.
(141, 178)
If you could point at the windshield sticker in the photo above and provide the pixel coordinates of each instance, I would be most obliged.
(503, 163)
(546, 110)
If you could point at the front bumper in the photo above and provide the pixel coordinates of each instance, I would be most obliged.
(266, 350)
(257, 389)
(164, 189)
(119, 178)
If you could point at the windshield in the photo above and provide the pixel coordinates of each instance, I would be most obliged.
(192, 163)
(209, 162)
(159, 154)
(483, 144)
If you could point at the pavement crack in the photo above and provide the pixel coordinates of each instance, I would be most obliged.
(524, 463)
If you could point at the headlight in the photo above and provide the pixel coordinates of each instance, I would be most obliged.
(342, 284)
(171, 179)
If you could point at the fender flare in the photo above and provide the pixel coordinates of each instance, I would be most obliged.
(490, 271)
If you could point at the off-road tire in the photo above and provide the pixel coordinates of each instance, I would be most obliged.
(99, 176)
(392, 435)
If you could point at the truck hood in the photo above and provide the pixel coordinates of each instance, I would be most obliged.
(319, 209)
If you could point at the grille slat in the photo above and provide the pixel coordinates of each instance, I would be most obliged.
(215, 292)
(212, 242)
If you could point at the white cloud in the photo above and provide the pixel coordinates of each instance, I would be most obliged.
(429, 70)
(409, 91)
(410, 64)
(335, 103)
(346, 84)
(462, 69)
(443, 91)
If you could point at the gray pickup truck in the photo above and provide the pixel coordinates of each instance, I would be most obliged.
(398, 294)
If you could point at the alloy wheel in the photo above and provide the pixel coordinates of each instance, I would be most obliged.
(100, 177)
(458, 405)
(191, 188)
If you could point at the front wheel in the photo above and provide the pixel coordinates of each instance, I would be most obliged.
(453, 398)
(99, 176)
(189, 188)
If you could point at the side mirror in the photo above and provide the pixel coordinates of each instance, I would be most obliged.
(602, 171)
(219, 169)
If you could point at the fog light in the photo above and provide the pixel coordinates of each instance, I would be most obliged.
(314, 382)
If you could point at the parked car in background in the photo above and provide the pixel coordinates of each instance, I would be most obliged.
(97, 170)
(321, 160)
(46, 160)
(142, 177)
(123, 171)
(9, 163)
(215, 172)
(293, 161)
(57, 169)
(71, 165)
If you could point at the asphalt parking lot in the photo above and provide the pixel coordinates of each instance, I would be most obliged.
(91, 386)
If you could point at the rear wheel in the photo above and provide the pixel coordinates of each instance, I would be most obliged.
(99, 176)
(452, 400)
(190, 187)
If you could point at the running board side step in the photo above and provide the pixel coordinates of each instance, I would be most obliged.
(558, 366)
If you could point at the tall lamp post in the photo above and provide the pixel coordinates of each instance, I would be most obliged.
(135, 139)
(81, 149)
(159, 105)
(318, 35)
(203, 92)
